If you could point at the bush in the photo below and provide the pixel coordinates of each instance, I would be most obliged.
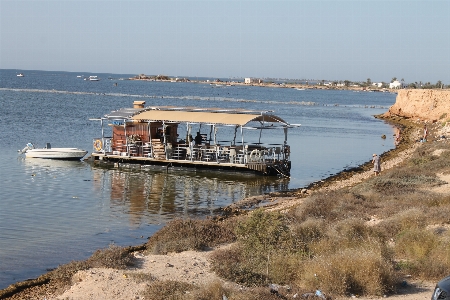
(334, 206)
(320, 206)
(261, 235)
(306, 233)
(413, 218)
(181, 235)
(65, 272)
(415, 244)
(232, 265)
(114, 257)
(435, 264)
(358, 271)
(349, 234)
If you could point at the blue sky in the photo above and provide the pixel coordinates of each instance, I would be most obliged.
(331, 40)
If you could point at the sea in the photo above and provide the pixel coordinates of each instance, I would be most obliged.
(54, 212)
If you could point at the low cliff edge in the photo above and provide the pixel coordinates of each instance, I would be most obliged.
(426, 105)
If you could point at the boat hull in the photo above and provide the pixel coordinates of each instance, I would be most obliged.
(57, 153)
(281, 168)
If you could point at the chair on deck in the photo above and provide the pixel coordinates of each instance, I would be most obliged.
(277, 152)
(206, 153)
(232, 155)
(223, 154)
(242, 155)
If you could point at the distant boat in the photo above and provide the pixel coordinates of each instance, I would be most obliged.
(80, 76)
(92, 78)
(20, 75)
(299, 89)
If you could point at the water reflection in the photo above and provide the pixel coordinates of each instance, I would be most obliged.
(55, 164)
(144, 193)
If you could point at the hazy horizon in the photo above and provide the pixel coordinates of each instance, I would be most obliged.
(320, 40)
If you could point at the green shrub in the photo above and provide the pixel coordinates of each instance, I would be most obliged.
(261, 235)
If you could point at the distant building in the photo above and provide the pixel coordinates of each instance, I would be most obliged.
(249, 80)
(377, 84)
(397, 85)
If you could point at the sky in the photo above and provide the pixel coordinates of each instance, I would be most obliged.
(322, 40)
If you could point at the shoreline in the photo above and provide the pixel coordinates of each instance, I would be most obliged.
(342, 179)
(285, 200)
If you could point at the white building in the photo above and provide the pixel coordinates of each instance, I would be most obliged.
(252, 80)
(377, 84)
(397, 85)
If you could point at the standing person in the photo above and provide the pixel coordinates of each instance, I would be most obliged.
(376, 164)
(397, 137)
(425, 133)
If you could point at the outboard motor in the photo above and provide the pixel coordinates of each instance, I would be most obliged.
(29, 146)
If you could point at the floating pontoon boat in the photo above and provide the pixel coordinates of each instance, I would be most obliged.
(162, 135)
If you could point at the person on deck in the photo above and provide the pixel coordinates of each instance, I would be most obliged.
(198, 138)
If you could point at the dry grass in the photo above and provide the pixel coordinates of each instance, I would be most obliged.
(351, 270)
(181, 235)
(167, 290)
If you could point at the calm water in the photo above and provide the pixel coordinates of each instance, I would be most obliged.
(53, 212)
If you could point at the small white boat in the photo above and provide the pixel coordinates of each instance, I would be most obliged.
(92, 78)
(53, 153)
(20, 75)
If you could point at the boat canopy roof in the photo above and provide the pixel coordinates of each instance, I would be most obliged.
(218, 116)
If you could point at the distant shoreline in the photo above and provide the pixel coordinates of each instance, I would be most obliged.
(276, 85)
